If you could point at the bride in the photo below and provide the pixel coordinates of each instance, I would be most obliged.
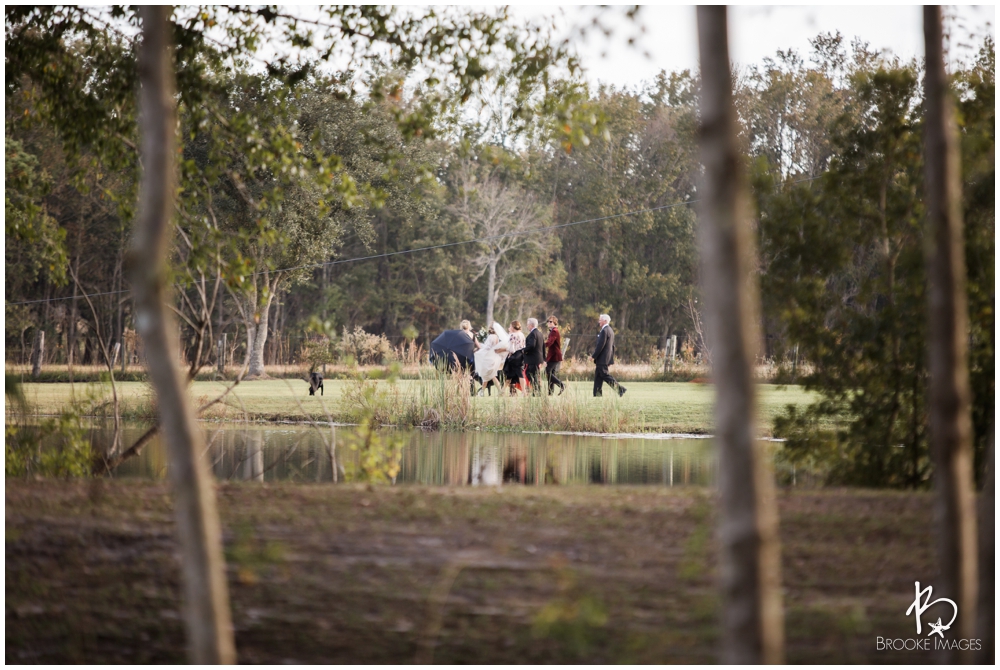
(491, 355)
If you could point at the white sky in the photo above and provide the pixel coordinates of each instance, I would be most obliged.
(756, 32)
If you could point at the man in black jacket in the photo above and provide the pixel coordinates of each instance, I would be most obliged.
(604, 355)
(534, 353)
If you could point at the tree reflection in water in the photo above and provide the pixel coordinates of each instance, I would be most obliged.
(299, 453)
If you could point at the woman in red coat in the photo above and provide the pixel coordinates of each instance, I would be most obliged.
(553, 355)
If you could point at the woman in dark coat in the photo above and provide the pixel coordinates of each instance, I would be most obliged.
(553, 355)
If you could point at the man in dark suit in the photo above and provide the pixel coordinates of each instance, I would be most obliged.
(534, 353)
(604, 355)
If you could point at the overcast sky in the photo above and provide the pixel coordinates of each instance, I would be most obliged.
(755, 33)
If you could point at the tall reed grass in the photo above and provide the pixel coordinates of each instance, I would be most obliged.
(444, 401)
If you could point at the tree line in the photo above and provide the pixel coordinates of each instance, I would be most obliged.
(487, 211)
(252, 180)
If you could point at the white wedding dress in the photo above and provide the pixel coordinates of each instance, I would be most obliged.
(492, 354)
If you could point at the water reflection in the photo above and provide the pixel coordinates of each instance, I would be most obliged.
(303, 453)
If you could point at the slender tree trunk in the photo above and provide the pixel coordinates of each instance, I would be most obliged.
(256, 368)
(950, 414)
(71, 329)
(491, 292)
(987, 559)
(753, 626)
(207, 615)
(38, 353)
(120, 312)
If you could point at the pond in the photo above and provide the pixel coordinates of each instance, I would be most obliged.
(296, 452)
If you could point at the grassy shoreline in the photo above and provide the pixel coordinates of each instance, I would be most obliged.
(578, 370)
(647, 407)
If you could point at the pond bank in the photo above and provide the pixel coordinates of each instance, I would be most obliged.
(345, 574)
(661, 407)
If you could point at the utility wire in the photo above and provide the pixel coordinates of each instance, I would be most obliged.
(446, 245)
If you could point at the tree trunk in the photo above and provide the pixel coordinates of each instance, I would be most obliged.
(752, 617)
(207, 616)
(71, 328)
(987, 559)
(259, 334)
(38, 353)
(491, 292)
(120, 313)
(949, 394)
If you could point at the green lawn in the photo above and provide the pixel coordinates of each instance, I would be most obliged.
(658, 406)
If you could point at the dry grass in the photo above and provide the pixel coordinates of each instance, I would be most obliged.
(576, 369)
(518, 574)
(648, 406)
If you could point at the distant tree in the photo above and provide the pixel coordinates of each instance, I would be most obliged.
(845, 278)
(976, 100)
(505, 218)
(640, 268)
(35, 242)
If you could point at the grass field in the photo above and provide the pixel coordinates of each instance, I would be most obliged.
(513, 575)
(648, 406)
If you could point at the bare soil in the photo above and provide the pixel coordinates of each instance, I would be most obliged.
(355, 574)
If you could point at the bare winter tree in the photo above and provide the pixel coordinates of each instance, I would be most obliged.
(500, 215)
(207, 615)
(949, 394)
(752, 617)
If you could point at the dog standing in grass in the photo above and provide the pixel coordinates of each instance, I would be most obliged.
(315, 383)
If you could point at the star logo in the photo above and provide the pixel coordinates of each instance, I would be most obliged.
(938, 629)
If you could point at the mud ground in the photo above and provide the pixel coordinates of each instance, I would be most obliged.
(352, 574)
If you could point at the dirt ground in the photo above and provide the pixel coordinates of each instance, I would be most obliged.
(351, 574)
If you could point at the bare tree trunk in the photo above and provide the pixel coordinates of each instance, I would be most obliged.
(491, 293)
(207, 615)
(987, 560)
(71, 327)
(259, 340)
(753, 621)
(949, 395)
(38, 353)
(255, 318)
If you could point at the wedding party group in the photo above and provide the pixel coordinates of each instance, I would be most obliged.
(512, 360)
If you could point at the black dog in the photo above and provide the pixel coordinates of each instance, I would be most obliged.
(315, 382)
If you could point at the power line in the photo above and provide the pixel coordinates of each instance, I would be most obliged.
(446, 245)
(398, 253)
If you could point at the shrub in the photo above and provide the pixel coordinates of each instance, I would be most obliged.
(56, 447)
(365, 348)
(317, 351)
